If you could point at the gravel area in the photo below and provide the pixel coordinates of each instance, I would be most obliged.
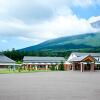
(64, 85)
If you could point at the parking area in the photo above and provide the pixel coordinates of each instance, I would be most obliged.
(57, 85)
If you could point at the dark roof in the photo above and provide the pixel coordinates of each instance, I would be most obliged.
(84, 54)
(4, 59)
(32, 59)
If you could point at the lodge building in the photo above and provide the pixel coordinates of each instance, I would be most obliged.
(84, 61)
(76, 61)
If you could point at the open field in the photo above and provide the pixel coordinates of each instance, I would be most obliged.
(64, 85)
(7, 71)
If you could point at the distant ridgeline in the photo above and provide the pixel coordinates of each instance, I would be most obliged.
(59, 47)
(87, 41)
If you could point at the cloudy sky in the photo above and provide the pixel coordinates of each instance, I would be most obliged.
(27, 22)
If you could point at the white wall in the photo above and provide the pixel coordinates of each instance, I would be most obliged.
(72, 55)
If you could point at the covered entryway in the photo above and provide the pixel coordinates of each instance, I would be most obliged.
(87, 67)
(85, 63)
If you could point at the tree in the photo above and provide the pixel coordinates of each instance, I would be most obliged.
(53, 67)
(61, 66)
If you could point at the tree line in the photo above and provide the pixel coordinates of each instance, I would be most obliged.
(18, 55)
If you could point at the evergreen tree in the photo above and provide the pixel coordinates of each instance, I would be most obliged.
(61, 66)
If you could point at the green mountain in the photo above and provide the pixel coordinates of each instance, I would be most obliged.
(82, 41)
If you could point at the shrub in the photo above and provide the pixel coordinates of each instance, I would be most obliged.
(53, 67)
(61, 66)
(19, 68)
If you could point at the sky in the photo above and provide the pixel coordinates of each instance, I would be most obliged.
(25, 23)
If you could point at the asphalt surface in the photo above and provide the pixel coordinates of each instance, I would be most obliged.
(65, 85)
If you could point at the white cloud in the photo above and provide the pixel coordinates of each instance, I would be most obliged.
(35, 41)
(83, 3)
(13, 28)
(40, 10)
(3, 6)
(57, 27)
(64, 26)
(4, 41)
(94, 19)
(62, 21)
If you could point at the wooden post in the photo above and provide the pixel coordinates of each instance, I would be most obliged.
(73, 66)
(35, 67)
(92, 66)
(14, 67)
(57, 66)
(82, 67)
(65, 67)
(46, 67)
(30, 67)
(27, 66)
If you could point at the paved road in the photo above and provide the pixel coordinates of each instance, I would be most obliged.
(50, 86)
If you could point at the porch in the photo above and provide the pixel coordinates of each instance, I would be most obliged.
(39, 66)
(86, 63)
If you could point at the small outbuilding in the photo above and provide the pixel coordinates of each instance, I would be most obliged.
(5, 62)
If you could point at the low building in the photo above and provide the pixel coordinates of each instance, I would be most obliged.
(84, 61)
(76, 61)
(41, 63)
(5, 61)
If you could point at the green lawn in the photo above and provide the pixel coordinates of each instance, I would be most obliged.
(7, 71)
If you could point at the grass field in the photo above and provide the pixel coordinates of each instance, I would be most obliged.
(7, 71)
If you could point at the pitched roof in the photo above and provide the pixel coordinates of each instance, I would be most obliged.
(81, 58)
(4, 59)
(33, 59)
(84, 54)
(78, 58)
